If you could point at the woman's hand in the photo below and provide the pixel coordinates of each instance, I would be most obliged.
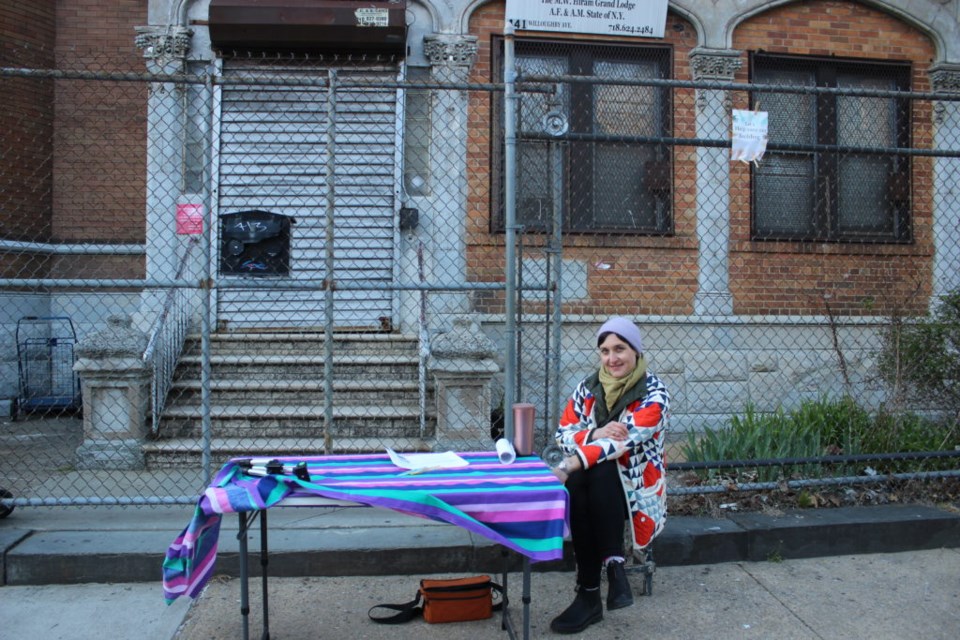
(561, 474)
(613, 431)
(565, 468)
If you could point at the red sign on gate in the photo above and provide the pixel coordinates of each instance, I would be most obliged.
(189, 219)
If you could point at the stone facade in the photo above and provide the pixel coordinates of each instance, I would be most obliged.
(719, 296)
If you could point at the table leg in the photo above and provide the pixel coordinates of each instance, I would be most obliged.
(246, 519)
(507, 622)
(244, 586)
(264, 559)
(526, 598)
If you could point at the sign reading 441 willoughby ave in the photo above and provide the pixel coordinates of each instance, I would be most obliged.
(638, 18)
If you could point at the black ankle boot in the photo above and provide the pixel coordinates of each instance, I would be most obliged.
(618, 587)
(585, 610)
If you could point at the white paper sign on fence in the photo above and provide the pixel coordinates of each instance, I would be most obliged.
(638, 18)
(749, 141)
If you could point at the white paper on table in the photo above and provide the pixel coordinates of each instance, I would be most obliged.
(426, 460)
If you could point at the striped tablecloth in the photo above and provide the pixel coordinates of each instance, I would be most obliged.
(521, 505)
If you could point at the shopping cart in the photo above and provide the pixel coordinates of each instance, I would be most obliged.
(45, 362)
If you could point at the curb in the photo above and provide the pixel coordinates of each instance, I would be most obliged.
(756, 537)
(102, 555)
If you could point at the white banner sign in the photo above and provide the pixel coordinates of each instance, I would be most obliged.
(749, 140)
(639, 18)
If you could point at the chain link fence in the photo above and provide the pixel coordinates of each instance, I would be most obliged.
(282, 255)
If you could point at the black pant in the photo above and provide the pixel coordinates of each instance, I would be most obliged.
(597, 513)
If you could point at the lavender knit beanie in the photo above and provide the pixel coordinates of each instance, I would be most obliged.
(625, 329)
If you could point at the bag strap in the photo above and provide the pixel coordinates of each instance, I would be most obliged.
(498, 589)
(406, 611)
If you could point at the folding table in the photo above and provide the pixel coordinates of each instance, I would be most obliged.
(521, 506)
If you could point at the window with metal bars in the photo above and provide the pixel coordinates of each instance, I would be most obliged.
(608, 171)
(840, 177)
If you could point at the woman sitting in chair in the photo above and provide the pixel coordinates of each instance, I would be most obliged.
(611, 434)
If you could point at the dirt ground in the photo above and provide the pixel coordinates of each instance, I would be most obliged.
(941, 492)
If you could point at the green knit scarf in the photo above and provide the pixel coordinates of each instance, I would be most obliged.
(613, 388)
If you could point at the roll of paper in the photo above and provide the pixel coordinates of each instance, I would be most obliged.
(505, 451)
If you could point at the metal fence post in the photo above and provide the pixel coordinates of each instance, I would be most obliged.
(331, 151)
(510, 201)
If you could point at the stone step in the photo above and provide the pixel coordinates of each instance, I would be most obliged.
(267, 391)
(188, 452)
(269, 366)
(297, 391)
(264, 421)
(294, 411)
(351, 344)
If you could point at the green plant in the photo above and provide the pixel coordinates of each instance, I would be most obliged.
(921, 357)
(806, 500)
(823, 427)
(776, 555)
(906, 432)
(756, 435)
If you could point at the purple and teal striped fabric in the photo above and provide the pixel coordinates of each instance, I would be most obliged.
(521, 506)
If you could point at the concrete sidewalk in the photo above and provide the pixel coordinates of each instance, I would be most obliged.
(90, 612)
(797, 575)
(912, 594)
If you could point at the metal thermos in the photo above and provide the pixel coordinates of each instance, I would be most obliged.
(523, 419)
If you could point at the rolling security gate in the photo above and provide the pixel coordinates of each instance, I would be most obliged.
(272, 157)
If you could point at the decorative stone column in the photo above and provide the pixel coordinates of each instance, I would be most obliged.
(713, 177)
(115, 383)
(443, 214)
(165, 50)
(463, 365)
(946, 194)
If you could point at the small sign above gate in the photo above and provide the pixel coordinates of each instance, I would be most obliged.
(367, 17)
(633, 18)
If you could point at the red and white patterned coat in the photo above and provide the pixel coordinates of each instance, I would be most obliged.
(640, 457)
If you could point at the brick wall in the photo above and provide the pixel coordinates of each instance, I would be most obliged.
(803, 278)
(100, 163)
(659, 272)
(72, 166)
(659, 275)
(26, 120)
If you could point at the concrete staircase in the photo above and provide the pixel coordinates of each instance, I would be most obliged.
(267, 398)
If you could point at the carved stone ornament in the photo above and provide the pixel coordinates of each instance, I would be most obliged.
(163, 42)
(719, 65)
(714, 66)
(945, 80)
(443, 50)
